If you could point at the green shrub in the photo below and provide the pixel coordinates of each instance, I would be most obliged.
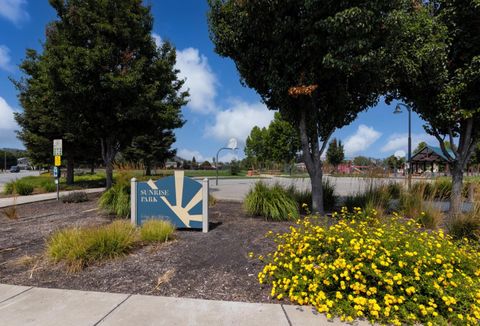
(9, 188)
(270, 202)
(79, 247)
(388, 271)
(156, 231)
(18, 187)
(23, 188)
(49, 186)
(116, 200)
(75, 197)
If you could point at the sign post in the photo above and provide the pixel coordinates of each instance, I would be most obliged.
(57, 153)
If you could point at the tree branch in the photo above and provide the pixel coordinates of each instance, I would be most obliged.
(452, 143)
(442, 145)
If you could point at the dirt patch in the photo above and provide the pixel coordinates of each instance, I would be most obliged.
(214, 265)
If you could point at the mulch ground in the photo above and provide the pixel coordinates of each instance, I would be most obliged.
(214, 265)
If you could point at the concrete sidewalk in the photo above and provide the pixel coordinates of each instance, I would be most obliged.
(11, 201)
(21, 305)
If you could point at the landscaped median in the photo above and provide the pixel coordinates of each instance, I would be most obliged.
(387, 270)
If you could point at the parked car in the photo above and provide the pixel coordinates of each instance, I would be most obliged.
(14, 169)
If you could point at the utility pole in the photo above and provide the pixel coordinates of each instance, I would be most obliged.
(4, 161)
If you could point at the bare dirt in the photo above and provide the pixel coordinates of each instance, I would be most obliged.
(213, 265)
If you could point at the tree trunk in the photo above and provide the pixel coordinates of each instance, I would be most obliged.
(311, 157)
(148, 168)
(108, 155)
(70, 172)
(109, 174)
(457, 187)
(92, 167)
(317, 191)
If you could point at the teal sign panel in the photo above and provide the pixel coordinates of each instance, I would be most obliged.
(178, 199)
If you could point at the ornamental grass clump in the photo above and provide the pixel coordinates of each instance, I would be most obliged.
(116, 200)
(78, 247)
(270, 202)
(384, 270)
(156, 231)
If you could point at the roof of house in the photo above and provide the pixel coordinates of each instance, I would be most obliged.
(431, 154)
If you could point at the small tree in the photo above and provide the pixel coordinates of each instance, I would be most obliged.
(335, 153)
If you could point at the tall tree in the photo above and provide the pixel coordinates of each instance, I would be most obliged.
(335, 153)
(256, 147)
(318, 62)
(151, 149)
(107, 72)
(283, 141)
(437, 71)
(46, 117)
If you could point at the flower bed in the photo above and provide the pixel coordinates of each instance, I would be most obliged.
(387, 271)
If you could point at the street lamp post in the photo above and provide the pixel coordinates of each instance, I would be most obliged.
(398, 110)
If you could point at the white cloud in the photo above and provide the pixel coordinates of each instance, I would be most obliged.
(5, 63)
(238, 120)
(200, 81)
(187, 154)
(361, 140)
(158, 39)
(7, 122)
(8, 125)
(14, 10)
(400, 142)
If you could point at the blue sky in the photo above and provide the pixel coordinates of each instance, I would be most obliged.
(220, 107)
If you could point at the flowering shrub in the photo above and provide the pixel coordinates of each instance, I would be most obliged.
(387, 271)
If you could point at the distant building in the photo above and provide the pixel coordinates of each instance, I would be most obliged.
(430, 160)
(174, 163)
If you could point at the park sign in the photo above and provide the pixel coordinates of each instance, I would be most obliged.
(178, 199)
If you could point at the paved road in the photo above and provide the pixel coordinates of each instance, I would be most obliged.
(8, 176)
(236, 189)
(22, 305)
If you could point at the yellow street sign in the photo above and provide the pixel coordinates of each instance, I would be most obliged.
(58, 160)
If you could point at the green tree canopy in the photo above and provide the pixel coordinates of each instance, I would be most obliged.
(421, 145)
(362, 161)
(256, 148)
(335, 152)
